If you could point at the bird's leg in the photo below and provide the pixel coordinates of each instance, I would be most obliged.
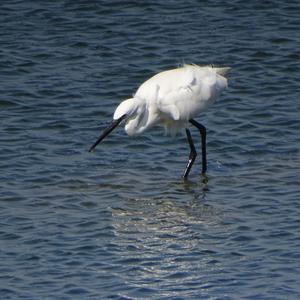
(202, 130)
(192, 156)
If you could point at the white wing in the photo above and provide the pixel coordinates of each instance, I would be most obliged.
(173, 97)
(191, 91)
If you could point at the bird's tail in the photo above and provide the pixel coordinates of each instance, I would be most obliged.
(222, 71)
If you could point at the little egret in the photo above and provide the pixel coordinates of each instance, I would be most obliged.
(172, 98)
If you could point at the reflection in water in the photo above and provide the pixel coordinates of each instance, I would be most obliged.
(191, 187)
(163, 241)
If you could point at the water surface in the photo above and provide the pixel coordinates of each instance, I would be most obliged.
(120, 223)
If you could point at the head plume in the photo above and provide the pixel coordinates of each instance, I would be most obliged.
(221, 71)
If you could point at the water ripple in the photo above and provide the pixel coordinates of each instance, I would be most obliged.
(120, 223)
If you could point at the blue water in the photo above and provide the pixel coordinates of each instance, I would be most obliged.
(120, 223)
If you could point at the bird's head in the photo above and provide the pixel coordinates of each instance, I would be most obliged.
(125, 110)
(127, 107)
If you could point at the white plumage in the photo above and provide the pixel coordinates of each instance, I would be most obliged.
(172, 98)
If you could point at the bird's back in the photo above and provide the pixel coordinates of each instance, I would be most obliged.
(175, 96)
(172, 98)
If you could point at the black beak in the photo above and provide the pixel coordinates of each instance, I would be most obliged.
(107, 131)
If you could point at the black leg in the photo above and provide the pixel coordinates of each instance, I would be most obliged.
(202, 130)
(192, 156)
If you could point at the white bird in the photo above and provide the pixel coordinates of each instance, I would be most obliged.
(172, 98)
